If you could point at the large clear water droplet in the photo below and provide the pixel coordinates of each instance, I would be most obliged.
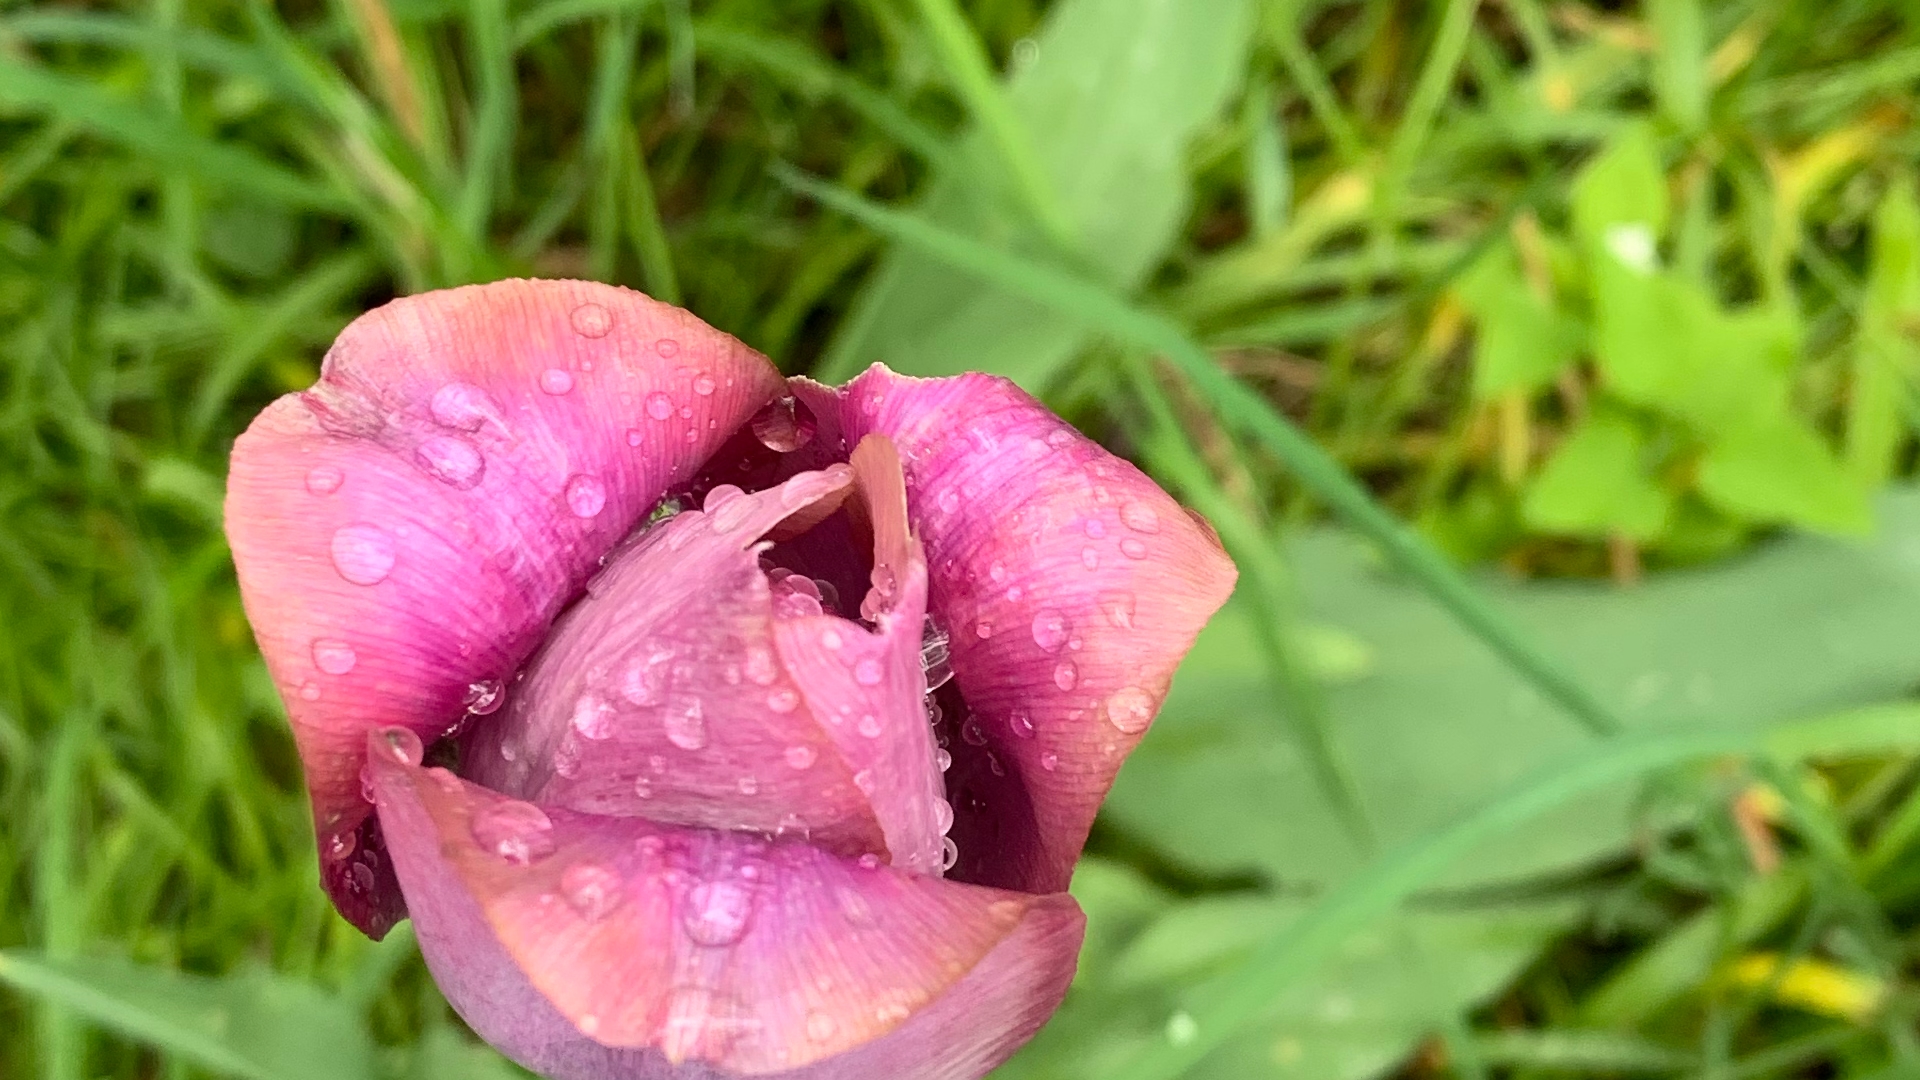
(1140, 517)
(1066, 676)
(1130, 709)
(591, 321)
(333, 656)
(451, 460)
(403, 746)
(659, 406)
(485, 697)
(363, 554)
(586, 495)
(462, 407)
(1051, 629)
(324, 479)
(556, 381)
(517, 832)
(717, 912)
(593, 716)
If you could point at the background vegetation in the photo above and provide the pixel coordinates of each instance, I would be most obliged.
(1619, 306)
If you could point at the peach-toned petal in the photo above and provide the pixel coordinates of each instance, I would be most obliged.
(592, 947)
(1070, 586)
(406, 529)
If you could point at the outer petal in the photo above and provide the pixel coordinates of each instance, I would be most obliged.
(611, 947)
(1070, 584)
(405, 530)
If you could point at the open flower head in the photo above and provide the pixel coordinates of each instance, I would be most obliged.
(706, 724)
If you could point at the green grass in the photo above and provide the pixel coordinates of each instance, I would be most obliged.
(1628, 296)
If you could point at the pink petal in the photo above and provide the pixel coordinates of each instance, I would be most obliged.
(1070, 586)
(608, 947)
(673, 692)
(406, 529)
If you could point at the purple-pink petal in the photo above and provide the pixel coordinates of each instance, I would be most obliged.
(595, 948)
(406, 529)
(1070, 586)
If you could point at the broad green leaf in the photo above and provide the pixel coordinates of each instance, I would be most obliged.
(1779, 470)
(1597, 484)
(1114, 92)
(1624, 188)
(1522, 342)
(253, 1024)
(1801, 625)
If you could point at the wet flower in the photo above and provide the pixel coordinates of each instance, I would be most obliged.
(705, 723)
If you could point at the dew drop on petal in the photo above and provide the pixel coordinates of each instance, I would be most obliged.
(659, 406)
(593, 716)
(333, 656)
(402, 746)
(586, 495)
(1090, 557)
(686, 725)
(943, 759)
(1140, 517)
(971, 732)
(461, 406)
(324, 479)
(864, 781)
(1133, 548)
(591, 321)
(642, 788)
(590, 889)
(800, 757)
(517, 832)
(1065, 675)
(949, 853)
(1051, 629)
(870, 726)
(1021, 725)
(340, 845)
(748, 785)
(942, 815)
(868, 672)
(1049, 761)
(634, 437)
(1060, 438)
(948, 500)
(1130, 709)
(717, 912)
(667, 347)
(363, 554)
(1094, 528)
(485, 697)
(703, 384)
(820, 1027)
(983, 629)
(451, 460)
(1118, 608)
(556, 381)
(783, 700)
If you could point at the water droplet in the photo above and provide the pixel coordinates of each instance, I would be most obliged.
(820, 1027)
(1049, 761)
(643, 682)
(340, 845)
(997, 573)
(717, 912)
(703, 384)
(1021, 725)
(830, 639)
(748, 785)
(451, 460)
(783, 701)
(667, 347)
(590, 889)
(360, 877)
(363, 554)
(1094, 528)
(556, 381)
(983, 629)
(869, 726)
(1089, 557)
(659, 406)
(781, 427)
(1060, 438)
(1051, 629)
(948, 500)
(1118, 608)
(461, 406)
(942, 816)
(1065, 675)
(586, 495)
(591, 320)
(971, 732)
(1130, 709)
(800, 757)
(943, 759)
(1140, 517)
(567, 756)
(760, 666)
(333, 656)
(731, 514)
(949, 853)
(642, 788)
(593, 716)
(485, 697)
(634, 437)
(869, 861)
(517, 832)
(687, 726)
(869, 672)
(324, 479)
(1133, 548)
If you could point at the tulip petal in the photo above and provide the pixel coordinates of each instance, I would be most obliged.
(1070, 585)
(676, 691)
(406, 529)
(591, 947)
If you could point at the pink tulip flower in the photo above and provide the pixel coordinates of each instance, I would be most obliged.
(789, 782)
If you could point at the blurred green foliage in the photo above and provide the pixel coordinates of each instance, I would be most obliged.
(1622, 299)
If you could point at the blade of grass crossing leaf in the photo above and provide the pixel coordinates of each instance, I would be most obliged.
(546, 18)
(493, 119)
(1173, 456)
(1241, 408)
(1224, 1005)
(966, 62)
(51, 984)
(644, 227)
(1283, 32)
(62, 910)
